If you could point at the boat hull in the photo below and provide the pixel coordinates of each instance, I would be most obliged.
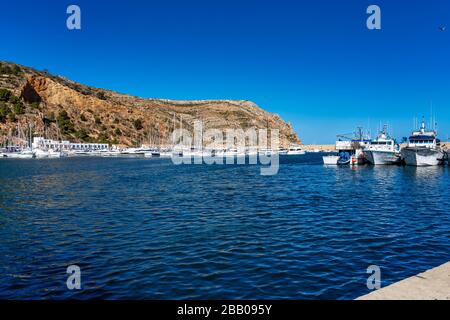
(299, 152)
(19, 156)
(382, 157)
(330, 160)
(420, 157)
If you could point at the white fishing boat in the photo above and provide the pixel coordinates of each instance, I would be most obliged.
(330, 160)
(423, 148)
(351, 149)
(382, 150)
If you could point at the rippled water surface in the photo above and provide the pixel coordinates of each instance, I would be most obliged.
(145, 228)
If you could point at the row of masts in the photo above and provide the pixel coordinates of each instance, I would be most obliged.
(24, 137)
(154, 138)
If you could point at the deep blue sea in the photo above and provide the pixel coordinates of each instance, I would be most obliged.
(148, 229)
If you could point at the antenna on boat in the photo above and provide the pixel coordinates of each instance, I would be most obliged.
(431, 115)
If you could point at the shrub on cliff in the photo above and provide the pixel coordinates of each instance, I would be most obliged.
(138, 124)
(101, 95)
(5, 95)
(65, 123)
(19, 108)
(82, 135)
(13, 99)
(6, 69)
(103, 138)
(4, 111)
(12, 117)
(35, 106)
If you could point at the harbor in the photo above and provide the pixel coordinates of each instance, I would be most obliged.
(224, 159)
(422, 148)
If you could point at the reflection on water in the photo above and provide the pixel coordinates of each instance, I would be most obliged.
(144, 228)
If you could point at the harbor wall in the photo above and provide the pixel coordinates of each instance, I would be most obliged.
(321, 147)
(433, 284)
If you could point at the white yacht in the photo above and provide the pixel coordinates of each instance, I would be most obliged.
(18, 153)
(109, 153)
(423, 148)
(295, 150)
(382, 150)
(157, 153)
(192, 152)
(50, 153)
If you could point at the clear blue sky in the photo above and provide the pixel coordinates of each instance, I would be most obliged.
(313, 62)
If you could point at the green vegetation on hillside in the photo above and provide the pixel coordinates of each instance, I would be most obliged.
(5, 95)
(10, 70)
(65, 123)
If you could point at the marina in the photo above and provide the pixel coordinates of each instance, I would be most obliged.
(421, 150)
(224, 159)
(45, 148)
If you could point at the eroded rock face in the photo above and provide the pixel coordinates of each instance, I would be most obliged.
(98, 114)
(29, 94)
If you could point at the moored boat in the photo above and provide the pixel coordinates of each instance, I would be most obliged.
(382, 150)
(423, 148)
(351, 149)
(18, 153)
(330, 160)
(296, 150)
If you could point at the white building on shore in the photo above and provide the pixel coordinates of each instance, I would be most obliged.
(47, 144)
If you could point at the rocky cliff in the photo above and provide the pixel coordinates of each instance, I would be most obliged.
(63, 109)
